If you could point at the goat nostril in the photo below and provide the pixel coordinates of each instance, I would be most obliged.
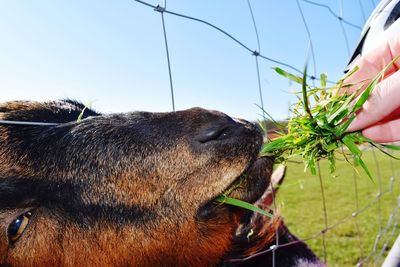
(214, 134)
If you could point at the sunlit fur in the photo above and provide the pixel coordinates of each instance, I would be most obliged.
(117, 190)
(132, 189)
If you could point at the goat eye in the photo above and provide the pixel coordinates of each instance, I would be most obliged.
(18, 226)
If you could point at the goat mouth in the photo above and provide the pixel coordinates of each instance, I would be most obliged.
(251, 186)
(253, 183)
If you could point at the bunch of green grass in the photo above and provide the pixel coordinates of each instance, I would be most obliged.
(319, 131)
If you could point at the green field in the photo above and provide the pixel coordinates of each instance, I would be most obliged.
(300, 202)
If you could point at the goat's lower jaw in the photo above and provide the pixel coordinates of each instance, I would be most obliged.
(260, 248)
(255, 235)
(251, 185)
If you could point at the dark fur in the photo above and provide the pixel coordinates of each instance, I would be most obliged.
(134, 189)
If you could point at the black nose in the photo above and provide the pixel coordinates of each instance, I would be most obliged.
(225, 130)
(215, 133)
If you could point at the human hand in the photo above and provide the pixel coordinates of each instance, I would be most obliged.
(379, 118)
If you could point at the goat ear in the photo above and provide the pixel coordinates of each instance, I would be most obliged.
(277, 177)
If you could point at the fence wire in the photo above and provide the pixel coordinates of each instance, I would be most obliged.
(339, 17)
(388, 230)
(252, 51)
(388, 233)
(171, 84)
(385, 233)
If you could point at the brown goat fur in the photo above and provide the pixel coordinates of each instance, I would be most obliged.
(132, 189)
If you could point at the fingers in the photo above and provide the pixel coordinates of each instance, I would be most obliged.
(372, 63)
(385, 132)
(384, 100)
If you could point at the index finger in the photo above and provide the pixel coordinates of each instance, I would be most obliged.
(373, 62)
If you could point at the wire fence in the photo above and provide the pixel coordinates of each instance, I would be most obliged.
(255, 52)
(388, 225)
(387, 231)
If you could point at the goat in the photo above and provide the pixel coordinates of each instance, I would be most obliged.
(133, 189)
(270, 242)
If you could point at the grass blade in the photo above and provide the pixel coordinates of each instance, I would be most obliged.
(364, 166)
(392, 147)
(365, 95)
(382, 149)
(242, 204)
(277, 124)
(270, 147)
(323, 78)
(87, 105)
(349, 140)
(292, 77)
(304, 91)
(343, 107)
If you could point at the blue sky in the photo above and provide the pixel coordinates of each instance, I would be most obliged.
(112, 52)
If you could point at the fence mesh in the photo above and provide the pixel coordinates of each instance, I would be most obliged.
(387, 224)
(366, 209)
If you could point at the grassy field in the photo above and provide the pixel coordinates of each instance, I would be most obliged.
(300, 202)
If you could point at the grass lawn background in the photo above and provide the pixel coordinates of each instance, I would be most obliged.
(300, 202)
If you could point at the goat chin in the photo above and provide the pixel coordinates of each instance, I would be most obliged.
(256, 238)
(259, 247)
